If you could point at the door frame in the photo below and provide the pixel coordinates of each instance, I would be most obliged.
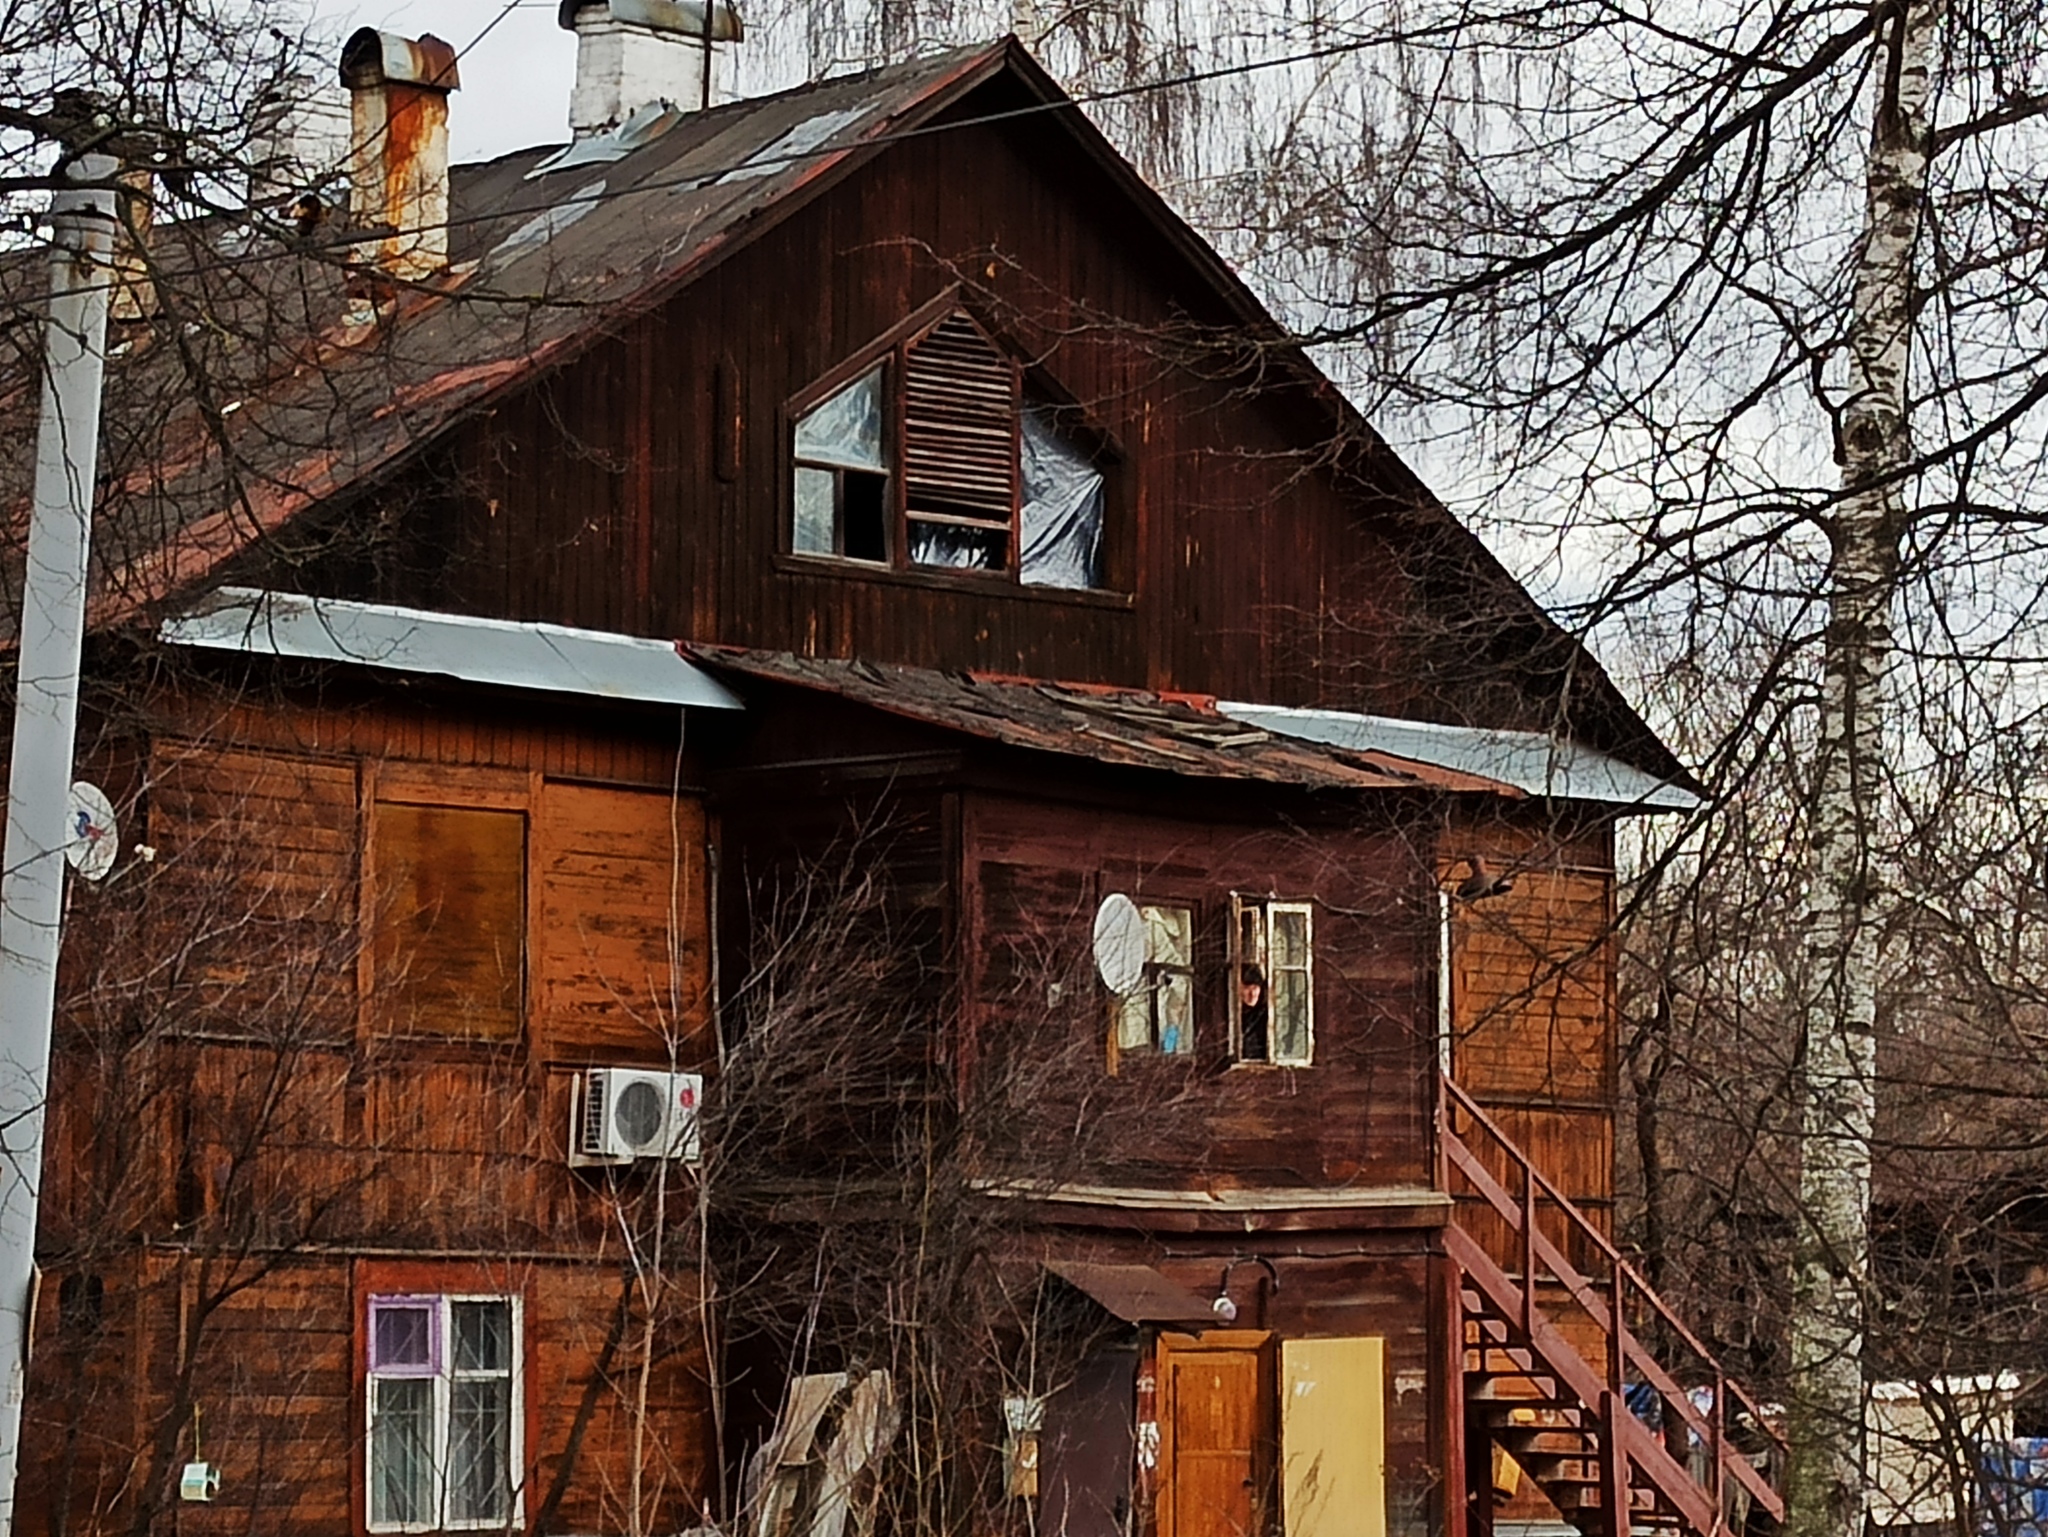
(1263, 1347)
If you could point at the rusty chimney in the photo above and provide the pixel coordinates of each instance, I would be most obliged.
(398, 155)
(639, 53)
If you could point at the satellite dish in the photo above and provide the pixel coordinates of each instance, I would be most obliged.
(1120, 944)
(92, 837)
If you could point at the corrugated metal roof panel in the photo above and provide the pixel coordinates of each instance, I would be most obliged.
(1531, 761)
(550, 657)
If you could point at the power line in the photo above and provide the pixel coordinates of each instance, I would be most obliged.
(705, 176)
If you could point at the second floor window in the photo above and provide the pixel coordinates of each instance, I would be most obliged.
(1160, 1015)
(935, 458)
(842, 497)
(1273, 981)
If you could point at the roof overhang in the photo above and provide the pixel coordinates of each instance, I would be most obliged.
(1137, 1294)
(552, 658)
(1532, 761)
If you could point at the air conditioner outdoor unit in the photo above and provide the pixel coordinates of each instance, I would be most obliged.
(628, 1113)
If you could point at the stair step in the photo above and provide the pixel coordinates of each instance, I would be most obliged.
(1520, 1441)
(1547, 1468)
(1498, 1415)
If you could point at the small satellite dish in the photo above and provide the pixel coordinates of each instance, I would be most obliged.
(1120, 944)
(94, 838)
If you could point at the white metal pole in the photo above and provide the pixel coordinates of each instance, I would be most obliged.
(45, 736)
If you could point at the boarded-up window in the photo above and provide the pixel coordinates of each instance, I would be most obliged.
(450, 889)
(622, 947)
(959, 448)
(936, 431)
(1333, 1438)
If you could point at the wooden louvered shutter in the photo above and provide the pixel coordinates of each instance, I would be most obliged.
(960, 413)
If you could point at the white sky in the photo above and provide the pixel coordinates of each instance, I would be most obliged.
(515, 83)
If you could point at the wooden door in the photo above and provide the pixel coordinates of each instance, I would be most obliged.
(1215, 1436)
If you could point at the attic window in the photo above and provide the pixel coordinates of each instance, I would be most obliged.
(935, 459)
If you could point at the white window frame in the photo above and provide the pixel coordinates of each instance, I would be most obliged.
(443, 1376)
(1308, 979)
(1266, 907)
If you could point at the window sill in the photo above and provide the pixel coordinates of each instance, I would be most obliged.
(986, 585)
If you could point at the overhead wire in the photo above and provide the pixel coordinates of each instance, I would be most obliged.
(706, 175)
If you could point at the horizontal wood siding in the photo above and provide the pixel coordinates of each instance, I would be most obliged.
(230, 1121)
(1249, 567)
(623, 967)
(1038, 1025)
(1532, 979)
(270, 1354)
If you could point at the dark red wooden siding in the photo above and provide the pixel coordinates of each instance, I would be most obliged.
(594, 497)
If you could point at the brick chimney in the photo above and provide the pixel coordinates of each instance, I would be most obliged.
(636, 53)
(398, 155)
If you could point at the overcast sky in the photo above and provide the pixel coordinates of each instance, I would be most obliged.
(515, 82)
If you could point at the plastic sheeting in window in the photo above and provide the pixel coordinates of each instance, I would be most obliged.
(957, 549)
(1063, 502)
(846, 429)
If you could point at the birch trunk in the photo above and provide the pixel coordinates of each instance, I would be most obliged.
(1840, 944)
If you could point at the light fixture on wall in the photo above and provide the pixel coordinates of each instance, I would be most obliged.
(1224, 1307)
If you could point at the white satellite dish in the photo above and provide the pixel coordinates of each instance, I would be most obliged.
(1120, 944)
(93, 838)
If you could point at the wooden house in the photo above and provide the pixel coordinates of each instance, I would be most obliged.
(874, 478)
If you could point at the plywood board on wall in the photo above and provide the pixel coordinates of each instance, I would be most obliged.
(1333, 1437)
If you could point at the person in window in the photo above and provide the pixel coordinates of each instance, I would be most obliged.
(1251, 1014)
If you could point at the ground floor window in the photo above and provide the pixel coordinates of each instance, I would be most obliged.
(443, 1402)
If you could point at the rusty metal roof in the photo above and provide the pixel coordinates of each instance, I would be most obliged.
(307, 401)
(1137, 1294)
(1170, 733)
(307, 404)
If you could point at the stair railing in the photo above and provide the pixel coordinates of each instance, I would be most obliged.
(1520, 1200)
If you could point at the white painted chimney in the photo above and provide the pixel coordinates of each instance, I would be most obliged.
(635, 53)
(299, 140)
(398, 155)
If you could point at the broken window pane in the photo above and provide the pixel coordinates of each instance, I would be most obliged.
(815, 494)
(958, 549)
(846, 429)
(1062, 516)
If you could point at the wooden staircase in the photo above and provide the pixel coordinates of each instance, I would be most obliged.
(1550, 1318)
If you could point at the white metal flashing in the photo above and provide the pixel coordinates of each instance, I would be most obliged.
(550, 657)
(1531, 761)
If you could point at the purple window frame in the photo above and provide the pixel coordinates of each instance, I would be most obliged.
(432, 1366)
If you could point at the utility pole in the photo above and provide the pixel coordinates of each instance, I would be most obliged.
(45, 737)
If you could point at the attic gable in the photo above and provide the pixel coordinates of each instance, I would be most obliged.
(554, 269)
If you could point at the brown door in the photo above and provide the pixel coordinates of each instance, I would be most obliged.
(1214, 1437)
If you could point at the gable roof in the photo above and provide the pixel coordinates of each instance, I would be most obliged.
(548, 262)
